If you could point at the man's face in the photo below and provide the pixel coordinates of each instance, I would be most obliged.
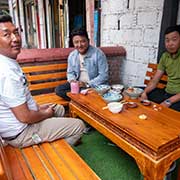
(172, 42)
(10, 40)
(81, 43)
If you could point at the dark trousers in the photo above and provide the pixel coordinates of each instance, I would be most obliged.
(62, 90)
(159, 95)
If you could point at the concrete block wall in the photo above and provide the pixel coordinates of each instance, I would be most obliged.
(135, 25)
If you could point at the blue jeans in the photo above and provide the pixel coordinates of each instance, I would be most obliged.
(62, 90)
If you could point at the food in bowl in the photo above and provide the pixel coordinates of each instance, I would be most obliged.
(130, 89)
(117, 87)
(112, 97)
(132, 105)
(146, 102)
(133, 92)
(115, 107)
(102, 89)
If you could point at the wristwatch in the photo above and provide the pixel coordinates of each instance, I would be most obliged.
(87, 85)
(167, 101)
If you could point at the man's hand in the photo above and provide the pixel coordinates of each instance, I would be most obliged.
(49, 111)
(45, 106)
(143, 96)
(152, 84)
(82, 84)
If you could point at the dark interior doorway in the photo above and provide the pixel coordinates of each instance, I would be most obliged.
(77, 15)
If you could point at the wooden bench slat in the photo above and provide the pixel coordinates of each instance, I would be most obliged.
(72, 158)
(57, 160)
(22, 162)
(164, 78)
(45, 85)
(43, 79)
(161, 86)
(5, 171)
(50, 98)
(49, 76)
(37, 167)
(3, 175)
(50, 168)
(152, 68)
(16, 168)
(150, 74)
(41, 68)
(47, 161)
(53, 174)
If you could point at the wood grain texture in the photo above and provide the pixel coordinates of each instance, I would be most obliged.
(43, 79)
(154, 143)
(49, 98)
(47, 161)
(152, 68)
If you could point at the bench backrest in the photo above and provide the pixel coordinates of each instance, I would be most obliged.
(152, 68)
(35, 57)
(44, 78)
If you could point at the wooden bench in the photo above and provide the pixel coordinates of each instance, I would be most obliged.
(55, 160)
(46, 69)
(152, 68)
(46, 161)
(43, 79)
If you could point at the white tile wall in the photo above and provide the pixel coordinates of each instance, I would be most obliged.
(138, 33)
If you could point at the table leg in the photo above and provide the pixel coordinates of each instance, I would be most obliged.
(153, 171)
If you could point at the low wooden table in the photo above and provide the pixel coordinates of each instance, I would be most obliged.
(154, 143)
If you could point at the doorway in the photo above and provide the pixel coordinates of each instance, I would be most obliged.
(77, 16)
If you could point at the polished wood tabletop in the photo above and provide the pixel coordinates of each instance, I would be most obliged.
(157, 137)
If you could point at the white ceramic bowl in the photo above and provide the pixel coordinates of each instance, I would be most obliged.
(133, 92)
(102, 89)
(117, 87)
(115, 107)
(111, 96)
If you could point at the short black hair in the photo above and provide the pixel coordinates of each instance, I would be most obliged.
(5, 17)
(172, 29)
(79, 32)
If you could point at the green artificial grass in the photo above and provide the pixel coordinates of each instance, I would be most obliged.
(107, 160)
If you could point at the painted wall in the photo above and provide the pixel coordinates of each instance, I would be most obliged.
(135, 25)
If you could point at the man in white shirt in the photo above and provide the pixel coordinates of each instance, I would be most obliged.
(22, 121)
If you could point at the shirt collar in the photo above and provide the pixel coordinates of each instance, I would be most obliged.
(175, 56)
(7, 59)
